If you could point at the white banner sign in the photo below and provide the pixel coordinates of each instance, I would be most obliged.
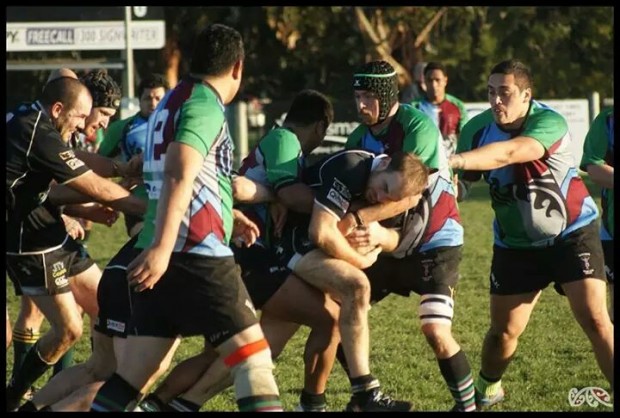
(81, 36)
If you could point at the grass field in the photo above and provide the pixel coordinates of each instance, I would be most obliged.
(553, 356)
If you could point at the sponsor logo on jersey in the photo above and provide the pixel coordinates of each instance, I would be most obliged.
(342, 189)
(65, 155)
(74, 163)
(338, 200)
(340, 195)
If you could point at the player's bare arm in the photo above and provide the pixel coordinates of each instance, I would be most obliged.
(183, 163)
(325, 233)
(518, 150)
(377, 212)
(248, 191)
(108, 193)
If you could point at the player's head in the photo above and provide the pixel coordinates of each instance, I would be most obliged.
(313, 112)
(60, 73)
(106, 99)
(509, 91)
(395, 177)
(436, 80)
(151, 90)
(68, 103)
(376, 91)
(219, 53)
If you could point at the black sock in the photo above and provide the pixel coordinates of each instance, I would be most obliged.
(114, 396)
(310, 401)
(32, 368)
(28, 406)
(342, 359)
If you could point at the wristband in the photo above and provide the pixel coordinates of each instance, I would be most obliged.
(358, 219)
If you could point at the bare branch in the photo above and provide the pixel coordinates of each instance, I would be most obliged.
(423, 35)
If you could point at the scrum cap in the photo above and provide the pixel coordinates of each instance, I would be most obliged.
(380, 78)
(105, 91)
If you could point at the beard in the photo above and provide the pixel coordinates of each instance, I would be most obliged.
(367, 118)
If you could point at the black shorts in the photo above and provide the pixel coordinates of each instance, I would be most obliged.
(261, 272)
(293, 244)
(432, 272)
(608, 250)
(576, 257)
(114, 295)
(198, 295)
(47, 273)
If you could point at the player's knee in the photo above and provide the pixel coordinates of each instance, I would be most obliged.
(437, 335)
(252, 369)
(503, 333)
(357, 289)
(596, 324)
(70, 333)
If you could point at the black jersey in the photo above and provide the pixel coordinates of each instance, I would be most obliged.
(35, 155)
(340, 178)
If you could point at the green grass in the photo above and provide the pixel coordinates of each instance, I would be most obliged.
(553, 356)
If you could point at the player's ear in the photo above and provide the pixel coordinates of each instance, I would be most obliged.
(56, 109)
(237, 69)
(385, 161)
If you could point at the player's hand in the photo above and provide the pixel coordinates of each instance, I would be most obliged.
(369, 235)
(73, 227)
(245, 232)
(101, 214)
(279, 213)
(370, 257)
(145, 270)
(132, 168)
(347, 224)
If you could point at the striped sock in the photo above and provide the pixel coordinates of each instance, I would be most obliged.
(362, 385)
(252, 371)
(23, 340)
(33, 367)
(457, 374)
